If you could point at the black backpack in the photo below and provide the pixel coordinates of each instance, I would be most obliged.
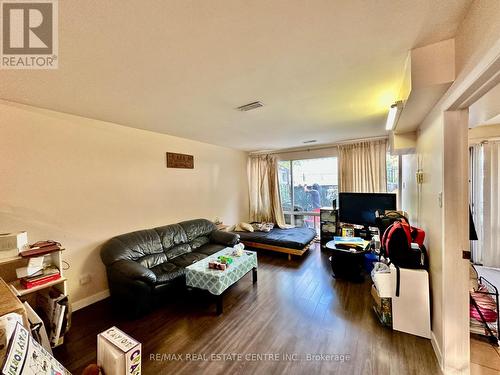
(383, 220)
(396, 246)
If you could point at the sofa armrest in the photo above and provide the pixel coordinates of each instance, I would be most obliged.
(224, 238)
(134, 270)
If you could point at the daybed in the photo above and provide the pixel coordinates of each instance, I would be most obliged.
(294, 241)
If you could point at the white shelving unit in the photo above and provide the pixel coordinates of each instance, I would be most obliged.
(18, 261)
(8, 274)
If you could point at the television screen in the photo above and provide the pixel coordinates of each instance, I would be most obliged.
(359, 208)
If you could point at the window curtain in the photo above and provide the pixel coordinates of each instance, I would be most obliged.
(490, 228)
(363, 167)
(476, 199)
(265, 204)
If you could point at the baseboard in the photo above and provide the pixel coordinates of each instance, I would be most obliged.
(84, 302)
(437, 351)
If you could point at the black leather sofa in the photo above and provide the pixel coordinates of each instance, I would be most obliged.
(144, 266)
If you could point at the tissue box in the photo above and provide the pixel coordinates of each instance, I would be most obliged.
(12, 243)
(118, 353)
(217, 266)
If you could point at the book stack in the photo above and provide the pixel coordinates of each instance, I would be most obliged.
(41, 277)
(356, 243)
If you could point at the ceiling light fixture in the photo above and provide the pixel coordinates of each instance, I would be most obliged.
(393, 116)
(250, 106)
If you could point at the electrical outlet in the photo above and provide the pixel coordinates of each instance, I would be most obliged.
(85, 279)
(419, 176)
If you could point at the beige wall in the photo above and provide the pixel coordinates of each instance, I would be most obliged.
(82, 181)
(409, 189)
(478, 33)
(483, 133)
(422, 204)
(430, 156)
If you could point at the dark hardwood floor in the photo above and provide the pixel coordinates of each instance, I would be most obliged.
(295, 311)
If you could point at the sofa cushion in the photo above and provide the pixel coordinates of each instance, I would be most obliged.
(131, 246)
(199, 241)
(187, 259)
(224, 238)
(171, 235)
(150, 261)
(176, 251)
(197, 228)
(210, 249)
(166, 272)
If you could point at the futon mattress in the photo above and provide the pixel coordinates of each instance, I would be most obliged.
(294, 238)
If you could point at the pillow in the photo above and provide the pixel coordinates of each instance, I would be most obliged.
(267, 227)
(243, 227)
(257, 226)
(263, 227)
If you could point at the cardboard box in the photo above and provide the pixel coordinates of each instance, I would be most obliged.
(382, 281)
(382, 307)
(12, 243)
(118, 353)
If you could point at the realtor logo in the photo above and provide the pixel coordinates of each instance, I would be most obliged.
(29, 38)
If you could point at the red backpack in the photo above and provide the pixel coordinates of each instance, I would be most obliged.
(396, 245)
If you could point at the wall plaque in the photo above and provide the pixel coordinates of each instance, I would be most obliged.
(175, 160)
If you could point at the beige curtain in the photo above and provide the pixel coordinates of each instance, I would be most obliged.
(489, 228)
(265, 202)
(363, 167)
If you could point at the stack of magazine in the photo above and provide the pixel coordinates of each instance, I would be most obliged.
(37, 327)
(53, 308)
(25, 356)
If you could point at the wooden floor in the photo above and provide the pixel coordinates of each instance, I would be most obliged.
(484, 358)
(295, 311)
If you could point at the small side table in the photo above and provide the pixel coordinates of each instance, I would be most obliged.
(347, 264)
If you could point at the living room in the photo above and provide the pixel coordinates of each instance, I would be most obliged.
(133, 122)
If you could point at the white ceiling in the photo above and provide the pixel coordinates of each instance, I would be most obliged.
(486, 111)
(325, 70)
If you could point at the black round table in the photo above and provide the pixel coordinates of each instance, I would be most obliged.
(347, 264)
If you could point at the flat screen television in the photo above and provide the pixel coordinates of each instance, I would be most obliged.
(359, 208)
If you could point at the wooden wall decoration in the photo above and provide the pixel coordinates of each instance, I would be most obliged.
(175, 160)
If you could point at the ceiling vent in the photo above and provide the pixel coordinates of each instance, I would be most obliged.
(311, 141)
(250, 106)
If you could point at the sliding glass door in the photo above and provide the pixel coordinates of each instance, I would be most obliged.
(306, 186)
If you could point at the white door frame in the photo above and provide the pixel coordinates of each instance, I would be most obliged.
(455, 355)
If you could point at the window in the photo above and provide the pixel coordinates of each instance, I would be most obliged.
(306, 186)
(392, 162)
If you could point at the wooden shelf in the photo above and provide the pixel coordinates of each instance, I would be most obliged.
(10, 259)
(20, 291)
(19, 257)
